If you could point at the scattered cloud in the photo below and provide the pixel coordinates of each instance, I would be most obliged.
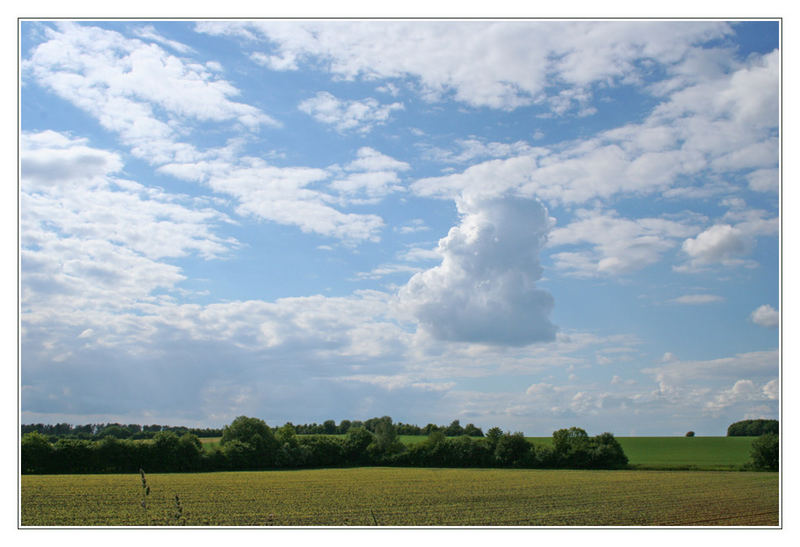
(122, 82)
(488, 68)
(360, 116)
(697, 299)
(766, 316)
(617, 245)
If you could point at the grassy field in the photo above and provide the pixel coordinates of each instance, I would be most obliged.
(406, 497)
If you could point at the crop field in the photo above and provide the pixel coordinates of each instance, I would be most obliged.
(405, 497)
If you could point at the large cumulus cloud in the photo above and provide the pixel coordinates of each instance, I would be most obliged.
(484, 290)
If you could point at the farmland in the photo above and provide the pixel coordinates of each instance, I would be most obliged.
(406, 497)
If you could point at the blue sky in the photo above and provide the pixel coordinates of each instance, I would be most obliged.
(529, 224)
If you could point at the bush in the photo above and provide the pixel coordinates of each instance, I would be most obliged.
(765, 452)
(752, 428)
(690, 433)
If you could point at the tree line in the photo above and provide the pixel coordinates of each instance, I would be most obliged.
(119, 431)
(249, 443)
(752, 428)
(329, 427)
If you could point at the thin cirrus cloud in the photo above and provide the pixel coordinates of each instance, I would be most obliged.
(697, 299)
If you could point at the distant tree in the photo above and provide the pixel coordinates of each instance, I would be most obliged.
(114, 430)
(690, 433)
(329, 427)
(188, 452)
(355, 445)
(513, 450)
(258, 437)
(36, 453)
(493, 436)
(606, 452)
(286, 435)
(385, 441)
(472, 430)
(765, 452)
(454, 429)
(753, 428)
(344, 427)
(572, 447)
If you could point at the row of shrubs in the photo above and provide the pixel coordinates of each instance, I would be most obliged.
(753, 428)
(248, 443)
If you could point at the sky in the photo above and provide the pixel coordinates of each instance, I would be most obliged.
(531, 224)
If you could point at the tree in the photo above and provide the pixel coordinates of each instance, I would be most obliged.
(493, 436)
(188, 452)
(606, 452)
(571, 447)
(690, 433)
(36, 453)
(356, 443)
(258, 437)
(472, 430)
(765, 452)
(752, 428)
(513, 450)
(454, 429)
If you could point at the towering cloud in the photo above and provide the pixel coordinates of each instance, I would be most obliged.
(484, 290)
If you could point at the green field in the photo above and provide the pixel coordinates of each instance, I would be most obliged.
(406, 497)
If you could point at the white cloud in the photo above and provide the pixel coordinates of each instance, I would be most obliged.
(748, 365)
(484, 289)
(743, 391)
(681, 150)
(697, 299)
(481, 63)
(764, 180)
(368, 178)
(618, 245)
(360, 116)
(413, 226)
(766, 316)
(473, 148)
(122, 82)
(720, 243)
(89, 238)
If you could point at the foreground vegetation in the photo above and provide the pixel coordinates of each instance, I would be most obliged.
(405, 497)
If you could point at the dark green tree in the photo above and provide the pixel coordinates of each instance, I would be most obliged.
(472, 430)
(36, 453)
(513, 450)
(765, 452)
(454, 429)
(257, 435)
